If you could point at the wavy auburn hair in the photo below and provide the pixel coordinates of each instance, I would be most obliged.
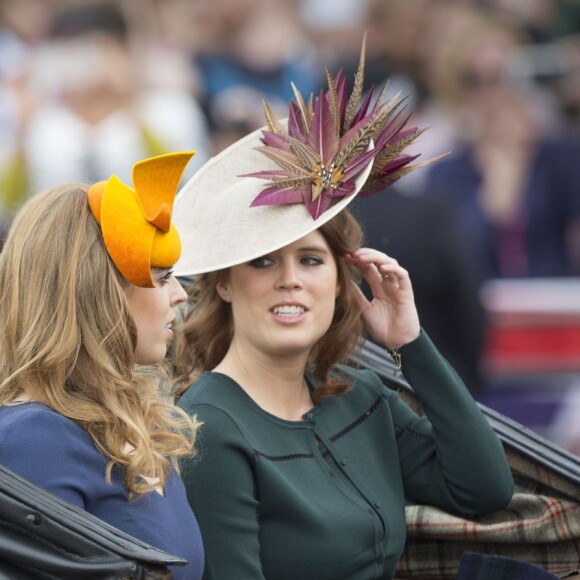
(206, 333)
(68, 340)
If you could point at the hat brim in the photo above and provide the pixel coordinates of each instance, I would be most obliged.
(219, 228)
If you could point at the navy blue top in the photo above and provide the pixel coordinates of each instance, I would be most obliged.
(56, 454)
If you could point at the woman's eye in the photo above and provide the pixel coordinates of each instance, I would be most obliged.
(165, 278)
(260, 262)
(312, 261)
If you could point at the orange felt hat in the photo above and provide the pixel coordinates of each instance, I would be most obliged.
(136, 223)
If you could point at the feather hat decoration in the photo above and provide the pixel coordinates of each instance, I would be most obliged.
(328, 151)
(330, 140)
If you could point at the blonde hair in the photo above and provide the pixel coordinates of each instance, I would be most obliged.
(68, 340)
(206, 333)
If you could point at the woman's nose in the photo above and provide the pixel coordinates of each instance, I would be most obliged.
(177, 292)
(289, 276)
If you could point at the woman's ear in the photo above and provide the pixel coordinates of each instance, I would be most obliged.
(223, 289)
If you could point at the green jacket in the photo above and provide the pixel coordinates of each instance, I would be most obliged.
(324, 498)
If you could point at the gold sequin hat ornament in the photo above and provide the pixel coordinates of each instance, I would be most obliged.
(329, 150)
(136, 223)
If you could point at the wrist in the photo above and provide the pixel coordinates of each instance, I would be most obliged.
(395, 352)
(403, 340)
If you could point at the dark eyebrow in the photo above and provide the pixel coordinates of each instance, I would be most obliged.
(320, 249)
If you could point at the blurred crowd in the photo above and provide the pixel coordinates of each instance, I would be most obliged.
(89, 87)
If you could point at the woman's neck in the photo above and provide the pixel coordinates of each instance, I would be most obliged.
(276, 384)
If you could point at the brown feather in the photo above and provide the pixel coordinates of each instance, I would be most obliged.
(333, 102)
(427, 162)
(302, 106)
(310, 108)
(305, 155)
(271, 121)
(355, 97)
(297, 182)
(317, 189)
(362, 138)
(395, 102)
(405, 170)
(391, 152)
(391, 107)
(284, 159)
(383, 91)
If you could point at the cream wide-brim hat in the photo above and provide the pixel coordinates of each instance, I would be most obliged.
(218, 226)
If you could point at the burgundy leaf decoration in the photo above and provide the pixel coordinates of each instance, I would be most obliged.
(325, 148)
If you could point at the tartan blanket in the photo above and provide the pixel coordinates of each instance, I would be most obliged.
(541, 526)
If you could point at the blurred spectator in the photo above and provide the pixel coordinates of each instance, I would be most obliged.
(335, 27)
(403, 37)
(22, 25)
(557, 66)
(164, 41)
(543, 20)
(395, 36)
(514, 178)
(246, 51)
(93, 114)
(552, 57)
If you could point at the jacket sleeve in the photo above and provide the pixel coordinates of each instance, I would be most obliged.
(452, 458)
(221, 492)
(48, 450)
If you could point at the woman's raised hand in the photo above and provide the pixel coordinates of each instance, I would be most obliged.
(391, 316)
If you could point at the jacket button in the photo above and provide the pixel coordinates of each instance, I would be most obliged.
(343, 461)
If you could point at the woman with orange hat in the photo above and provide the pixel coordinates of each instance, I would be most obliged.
(87, 304)
(305, 463)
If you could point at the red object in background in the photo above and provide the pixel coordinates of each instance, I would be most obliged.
(534, 326)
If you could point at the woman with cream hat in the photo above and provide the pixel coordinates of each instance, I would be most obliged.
(88, 297)
(305, 462)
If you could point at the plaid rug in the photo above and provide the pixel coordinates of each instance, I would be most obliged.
(541, 526)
